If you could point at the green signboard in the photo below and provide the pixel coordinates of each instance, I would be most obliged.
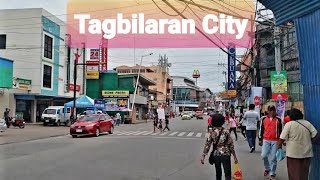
(279, 84)
(19, 83)
(6, 73)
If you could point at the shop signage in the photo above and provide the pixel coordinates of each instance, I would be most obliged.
(92, 75)
(116, 104)
(106, 93)
(100, 104)
(230, 93)
(94, 54)
(104, 55)
(231, 68)
(71, 87)
(279, 85)
(24, 84)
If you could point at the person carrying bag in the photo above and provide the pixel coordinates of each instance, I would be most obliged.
(223, 148)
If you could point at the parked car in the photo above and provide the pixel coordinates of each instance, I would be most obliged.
(190, 113)
(3, 125)
(186, 116)
(93, 124)
(199, 114)
(55, 115)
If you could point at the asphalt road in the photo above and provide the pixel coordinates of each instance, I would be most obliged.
(132, 153)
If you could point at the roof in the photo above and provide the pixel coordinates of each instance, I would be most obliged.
(149, 69)
(142, 79)
(289, 10)
(6, 59)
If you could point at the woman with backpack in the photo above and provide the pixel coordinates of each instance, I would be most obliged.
(223, 148)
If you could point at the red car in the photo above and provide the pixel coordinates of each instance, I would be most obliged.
(92, 125)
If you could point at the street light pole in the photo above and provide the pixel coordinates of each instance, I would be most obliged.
(77, 55)
(136, 86)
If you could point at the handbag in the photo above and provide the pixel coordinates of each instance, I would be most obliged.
(280, 155)
(214, 147)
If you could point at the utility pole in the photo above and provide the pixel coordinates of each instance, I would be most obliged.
(76, 60)
(277, 50)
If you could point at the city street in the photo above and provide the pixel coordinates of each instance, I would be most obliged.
(133, 152)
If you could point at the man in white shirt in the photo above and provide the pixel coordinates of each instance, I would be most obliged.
(250, 119)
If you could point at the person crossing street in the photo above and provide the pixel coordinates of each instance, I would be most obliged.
(166, 121)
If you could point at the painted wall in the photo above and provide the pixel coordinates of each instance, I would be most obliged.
(6, 73)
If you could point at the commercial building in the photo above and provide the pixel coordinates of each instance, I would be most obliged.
(43, 62)
(118, 93)
(184, 94)
(159, 74)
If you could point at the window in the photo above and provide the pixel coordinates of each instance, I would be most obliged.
(48, 41)
(142, 70)
(47, 76)
(135, 70)
(3, 39)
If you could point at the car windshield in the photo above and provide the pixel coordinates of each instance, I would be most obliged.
(50, 111)
(89, 118)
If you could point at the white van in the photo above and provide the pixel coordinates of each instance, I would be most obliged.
(55, 115)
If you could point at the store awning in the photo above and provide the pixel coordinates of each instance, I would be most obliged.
(82, 102)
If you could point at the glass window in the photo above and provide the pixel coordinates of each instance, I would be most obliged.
(89, 118)
(102, 118)
(47, 76)
(135, 70)
(48, 42)
(3, 41)
(50, 111)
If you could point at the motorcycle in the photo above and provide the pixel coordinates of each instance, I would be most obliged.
(17, 123)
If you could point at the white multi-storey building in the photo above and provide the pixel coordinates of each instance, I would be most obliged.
(36, 42)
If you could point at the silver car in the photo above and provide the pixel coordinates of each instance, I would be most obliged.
(3, 125)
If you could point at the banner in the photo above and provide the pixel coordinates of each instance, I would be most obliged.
(94, 54)
(100, 104)
(279, 85)
(106, 93)
(104, 55)
(231, 68)
(281, 106)
(256, 98)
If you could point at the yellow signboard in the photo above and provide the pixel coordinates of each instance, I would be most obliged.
(230, 93)
(92, 75)
(106, 93)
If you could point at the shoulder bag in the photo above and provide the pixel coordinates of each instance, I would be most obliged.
(214, 147)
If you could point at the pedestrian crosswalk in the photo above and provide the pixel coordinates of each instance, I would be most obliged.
(161, 134)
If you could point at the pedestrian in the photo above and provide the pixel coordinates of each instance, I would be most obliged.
(155, 123)
(298, 135)
(160, 125)
(118, 118)
(6, 116)
(209, 122)
(233, 126)
(221, 139)
(270, 130)
(242, 126)
(166, 124)
(251, 119)
(226, 124)
(286, 118)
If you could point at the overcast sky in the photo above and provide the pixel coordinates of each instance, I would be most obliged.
(184, 61)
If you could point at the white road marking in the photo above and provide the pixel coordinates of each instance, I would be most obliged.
(172, 134)
(127, 133)
(181, 134)
(147, 133)
(165, 133)
(155, 133)
(190, 134)
(199, 135)
(136, 132)
(140, 133)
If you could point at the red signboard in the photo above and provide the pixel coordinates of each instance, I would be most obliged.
(104, 55)
(71, 87)
(281, 96)
(92, 63)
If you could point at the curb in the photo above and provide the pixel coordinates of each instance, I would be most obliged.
(47, 137)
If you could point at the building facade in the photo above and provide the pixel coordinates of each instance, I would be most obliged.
(118, 93)
(158, 74)
(185, 94)
(43, 63)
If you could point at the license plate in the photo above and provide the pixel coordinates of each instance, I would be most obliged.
(47, 120)
(78, 130)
